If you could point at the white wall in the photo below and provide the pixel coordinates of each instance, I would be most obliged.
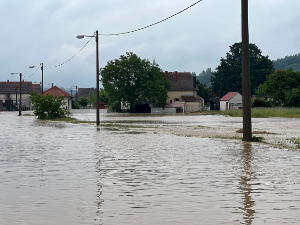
(223, 105)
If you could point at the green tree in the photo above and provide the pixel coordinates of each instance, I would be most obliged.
(103, 95)
(284, 87)
(133, 80)
(75, 104)
(228, 75)
(205, 76)
(204, 91)
(92, 98)
(83, 101)
(48, 106)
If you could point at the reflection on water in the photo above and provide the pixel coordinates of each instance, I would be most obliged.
(56, 173)
(247, 175)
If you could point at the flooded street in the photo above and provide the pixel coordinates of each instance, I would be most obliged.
(62, 173)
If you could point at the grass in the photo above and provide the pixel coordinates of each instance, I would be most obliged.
(266, 112)
(296, 142)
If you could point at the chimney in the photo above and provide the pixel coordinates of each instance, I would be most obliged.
(52, 84)
(7, 81)
(195, 83)
(167, 74)
(176, 75)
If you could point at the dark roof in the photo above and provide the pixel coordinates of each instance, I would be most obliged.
(9, 87)
(185, 81)
(192, 98)
(56, 92)
(84, 92)
(228, 96)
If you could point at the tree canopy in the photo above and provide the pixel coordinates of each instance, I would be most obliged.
(203, 91)
(228, 75)
(133, 80)
(204, 77)
(48, 106)
(283, 86)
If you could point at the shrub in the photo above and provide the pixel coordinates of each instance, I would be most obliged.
(48, 107)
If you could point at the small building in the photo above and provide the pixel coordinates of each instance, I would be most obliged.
(56, 92)
(232, 100)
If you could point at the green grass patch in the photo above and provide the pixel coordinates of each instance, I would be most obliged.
(257, 139)
(266, 112)
(296, 142)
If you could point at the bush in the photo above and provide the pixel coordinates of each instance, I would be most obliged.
(48, 107)
(262, 103)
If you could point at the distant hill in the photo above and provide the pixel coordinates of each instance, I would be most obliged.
(288, 62)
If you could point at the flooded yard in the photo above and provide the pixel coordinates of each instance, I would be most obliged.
(166, 173)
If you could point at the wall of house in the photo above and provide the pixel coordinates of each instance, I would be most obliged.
(238, 98)
(68, 102)
(192, 106)
(223, 105)
(236, 102)
(178, 94)
(25, 99)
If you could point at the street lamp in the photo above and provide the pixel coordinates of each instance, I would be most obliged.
(97, 73)
(42, 68)
(20, 105)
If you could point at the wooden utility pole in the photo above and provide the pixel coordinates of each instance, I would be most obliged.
(246, 86)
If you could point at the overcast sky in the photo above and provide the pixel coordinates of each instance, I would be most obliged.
(35, 31)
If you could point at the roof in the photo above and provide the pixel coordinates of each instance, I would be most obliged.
(9, 87)
(185, 81)
(56, 92)
(176, 105)
(84, 92)
(228, 96)
(192, 98)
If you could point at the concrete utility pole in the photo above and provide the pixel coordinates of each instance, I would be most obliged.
(246, 86)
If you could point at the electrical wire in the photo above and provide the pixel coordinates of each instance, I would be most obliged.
(72, 56)
(153, 24)
(34, 71)
(123, 33)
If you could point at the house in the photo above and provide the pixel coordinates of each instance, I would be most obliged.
(232, 100)
(10, 93)
(84, 92)
(184, 90)
(56, 92)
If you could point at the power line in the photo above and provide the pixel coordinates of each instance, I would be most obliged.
(124, 33)
(72, 56)
(153, 24)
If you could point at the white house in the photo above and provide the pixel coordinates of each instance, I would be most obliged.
(232, 100)
(56, 92)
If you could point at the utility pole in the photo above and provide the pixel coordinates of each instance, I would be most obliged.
(76, 93)
(20, 105)
(97, 79)
(42, 68)
(246, 86)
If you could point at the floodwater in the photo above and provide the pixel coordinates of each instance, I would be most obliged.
(59, 173)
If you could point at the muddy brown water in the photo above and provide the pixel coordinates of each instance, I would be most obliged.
(59, 173)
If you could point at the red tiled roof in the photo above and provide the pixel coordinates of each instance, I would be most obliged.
(228, 96)
(56, 92)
